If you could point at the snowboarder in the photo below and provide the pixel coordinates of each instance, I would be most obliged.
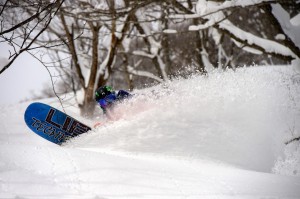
(107, 98)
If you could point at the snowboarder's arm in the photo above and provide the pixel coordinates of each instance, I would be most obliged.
(123, 95)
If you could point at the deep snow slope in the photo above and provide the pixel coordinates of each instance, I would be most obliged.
(205, 137)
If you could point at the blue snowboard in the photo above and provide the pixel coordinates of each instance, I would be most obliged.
(52, 124)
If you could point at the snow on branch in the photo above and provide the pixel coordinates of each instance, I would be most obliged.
(144, 54)
(205, 8)
(250, 40)
(211, 21)
(144, 74)
(289, 26)
(241, 38)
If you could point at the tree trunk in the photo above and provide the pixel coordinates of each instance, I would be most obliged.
(88, 106)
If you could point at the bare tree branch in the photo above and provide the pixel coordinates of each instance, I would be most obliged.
(47, 19)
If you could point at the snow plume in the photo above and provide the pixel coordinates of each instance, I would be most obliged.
(290, 164)
(240, 118)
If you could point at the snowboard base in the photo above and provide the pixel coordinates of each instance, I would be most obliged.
(52, 124)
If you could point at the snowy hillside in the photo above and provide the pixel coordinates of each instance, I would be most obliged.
(220, 136)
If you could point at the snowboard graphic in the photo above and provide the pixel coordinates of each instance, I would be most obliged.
(52, 124)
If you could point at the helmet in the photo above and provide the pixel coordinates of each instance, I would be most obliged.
(103, 91)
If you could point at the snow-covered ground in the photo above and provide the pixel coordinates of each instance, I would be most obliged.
(220, 136)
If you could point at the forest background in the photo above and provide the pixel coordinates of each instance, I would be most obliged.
(132, 44)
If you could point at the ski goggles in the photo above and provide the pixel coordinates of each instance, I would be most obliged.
(107, 100)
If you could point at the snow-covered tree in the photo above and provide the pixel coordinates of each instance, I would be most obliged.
(217, 17)
(129, 42)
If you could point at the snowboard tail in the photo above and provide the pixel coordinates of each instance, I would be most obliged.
(52, 124)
